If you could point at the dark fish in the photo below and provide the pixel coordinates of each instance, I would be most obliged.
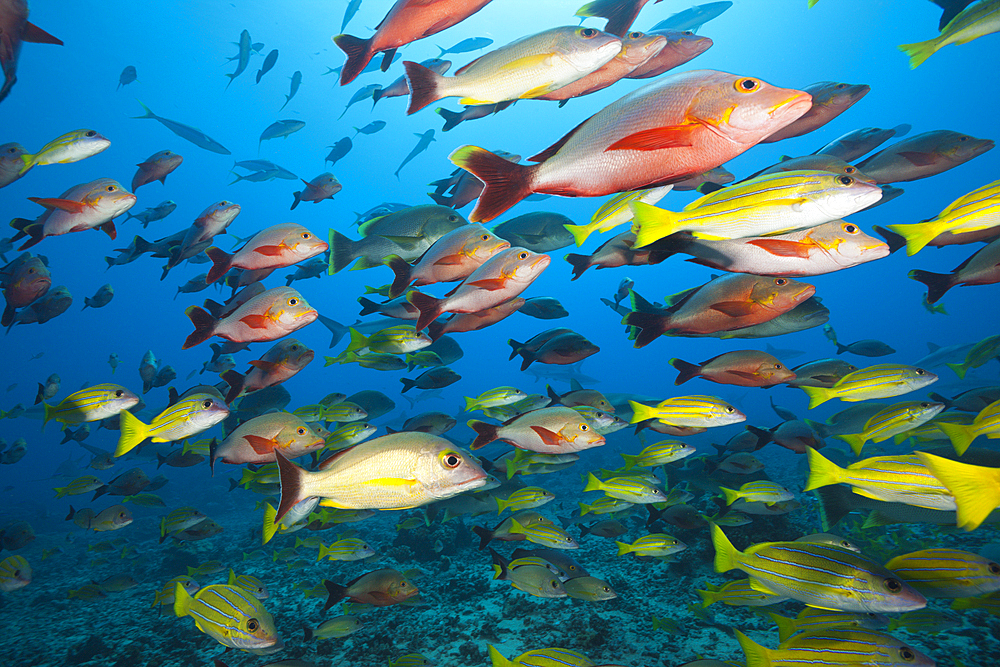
(127, 76)
(982, 268)
(693, 18)
(866, 348)
(466, 45)
(192, 134)
(281, 128)
(858, 143)
(472, 112)
(370, 128)
(540, 231)
(339, 150)
(14, 29)
(923, 155)
(296, 82)
(544, 308)
(269, 61)
(425, 141)
(243, 57)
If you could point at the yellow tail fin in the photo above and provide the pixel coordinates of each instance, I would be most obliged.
(730, 495)
(708, 598)
(650, 223)
(623, 548)
(270, 527)
(581, 232)
(976, 489)
(726, 555)
(497, 658)
(856, 441)
(817, 395)
(919, 51)
(917, 235)
(961, 435)
(182, 600)
(641, 413)
(822, 471)
(960, 369)
(786, 626)
(133, 433)
(358, 341)
(593, 484)
(757, 655)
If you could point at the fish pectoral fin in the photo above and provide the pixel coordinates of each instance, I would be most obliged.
(537, 60)
(756, 585)
(269, 250)
(783, 248)
(918, 158)
(450, 260)
(488, 283)
(734, 308)
(256, 321)
(707, 237)
(550, 438)
(669, 136)
(259, 444)
(67, 205)
(266, 366)
(744, 374)
(866, 494)
(405, 242)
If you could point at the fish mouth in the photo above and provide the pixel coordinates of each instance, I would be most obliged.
(794, 107)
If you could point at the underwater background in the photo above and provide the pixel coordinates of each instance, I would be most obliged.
(180, 52)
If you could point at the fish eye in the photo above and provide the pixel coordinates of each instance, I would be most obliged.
(121, 515)
(920, 371)
(849, 169)
(12, 150)
(845, 180)
(90, 133)
(994, 568)
(301, 430)
(306, 235)
(747, 85)
(252, 625)
(451, 460)
(849, 228)
(584, 427)
(293, 301)
(554, 583)
(840, 86)
(402, 584)
(893, 585)
(485, 237)
(111, 188)
(17, 573)
(730, 409)
(119, 393)
(588, 32)
(963, 138)
(522, 255)
(635, 35)
(452, 218)
(906, 654)
(777, 367)
(687, 33)
(207, 403)
(780, 281)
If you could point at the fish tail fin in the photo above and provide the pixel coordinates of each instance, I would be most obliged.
(855, 440)
(402, 270)
(917, 235)
(817, 395)
(580, 263)
(358, 52)
(407, 384)
(204, 325)
(221, 262)
(726, 554)
(756, 655)
(182, 600)
(630, 461)
(786, 626)
(298, 198)
(502, 504)
(960, 369)
(686, 370)
(28, 161)
(270, 525)
(919, 51)
(641, 412)
(368, 306)
(515, 348)
(961, 435)
(60, 491)
(730, 495)
(976, 489)
(937, 283)
(163, 529)
(435, 330)
(579, 232)
(291, 477)
(335, 593)
(822, 471)
(484, 534)
(650, 325)
(341, 252)
(593, 484)
(623, 548)
(651, 223)
(485, 433)
(235, 381)
(496, 657)
(134, 431)
(428, 306)
(507, 183)
(707, 597)
(451, 118)
(833, 505)
(358, 341)
(147, 112)
(424, 86)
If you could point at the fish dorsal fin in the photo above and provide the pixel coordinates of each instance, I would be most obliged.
(554, 148)
(933, 347)
(328, 462)
(575, 385)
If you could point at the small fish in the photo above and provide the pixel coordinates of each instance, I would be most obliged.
(346, 549)
(379, 588)
(228, 614)
(655, 544)
(155, 168)
(189, 416)
(866, 348)
(336, 627)
(881, 381)
(267, 316)
(101, 298)
(835, 646)
(91, 404)
(760, 491)
(371, 128)
(893, 421)
(15, 573)
(192, 134)
(92, 205)
(128, 75)
(466, 45)
(971, 23)
(296, 82)
(322, 187)
(269, 61)
(281, 128)
(70, 147)
(947, 573)
(698, 411)
(425, 141)
(923, 155)
(629, 489)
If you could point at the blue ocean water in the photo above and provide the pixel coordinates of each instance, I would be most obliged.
(180, 52)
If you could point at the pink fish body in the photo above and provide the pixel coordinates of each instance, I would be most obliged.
(286, 358)
(666, 131)
(681, 47)
(556, 430)
(453, 257)
(637, 48)
(502, 277)
(82, 207)
(268, 316)
(275, 247)
(155, 168)
(256, 440)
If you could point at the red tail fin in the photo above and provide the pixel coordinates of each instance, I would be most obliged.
(507, 183)
(423, 84)
(402, 270)
(580, 263)
(485, 433)
(290, 476)
(435, 330)
(358, 56)
(651, 326)
(428, 306)
(220, 264)
(203, 323)
(336, 593)
(687, 370)
(235, 381)
(937, 283)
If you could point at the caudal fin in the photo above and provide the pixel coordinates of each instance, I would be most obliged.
(423, 84)
(822, 471)
(204, 325)
(341, 252)
(976, 489)
(917, 235)
(485, 433)
(428, 306)
(650, 223)
(919, 51)
(507, 182)
(961, 435)
(290, 476)
(221, 262)
(686, 370)
(359, 54)
(580, 263)
(650, 326)
(402, 279)
(133, 431)
(335, 593)
(235, 381)
(937, 283)
(451, 118)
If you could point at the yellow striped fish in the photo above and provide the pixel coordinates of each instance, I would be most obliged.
(767, 204)
(811, 619)
(987, 423)
(892, 421)
(983, 351)
(544, 534)
(91, 404)
(616, 211)
(879, 381)
(658, 454)
(228, 614)
(696, 411)
(541, 657)
(15, 573)
(819, 575)
(740, 593)
(188, 416)
(980, 209)
(250, 583)
(971, 23)
(835, 647)
(947, 573)
(165, 596)
(895, 479)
